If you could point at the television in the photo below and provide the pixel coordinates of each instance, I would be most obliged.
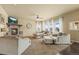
(12, 20)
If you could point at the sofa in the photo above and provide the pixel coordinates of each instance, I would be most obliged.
(60, 38)
(63, 39)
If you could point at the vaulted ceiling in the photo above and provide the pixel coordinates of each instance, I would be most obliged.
(43, 10)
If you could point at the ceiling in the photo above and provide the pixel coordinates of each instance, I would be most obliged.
(44, 11)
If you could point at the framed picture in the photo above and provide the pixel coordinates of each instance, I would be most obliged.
(74, 25)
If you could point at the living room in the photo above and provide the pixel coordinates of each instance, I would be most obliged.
(39, 29)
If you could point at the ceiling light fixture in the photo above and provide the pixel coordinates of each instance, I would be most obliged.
(37, 17)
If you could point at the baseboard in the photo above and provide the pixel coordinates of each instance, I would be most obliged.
(74, 41)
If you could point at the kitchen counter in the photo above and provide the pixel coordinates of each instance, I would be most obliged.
(23, 44)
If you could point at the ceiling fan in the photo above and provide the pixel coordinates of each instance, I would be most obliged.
(38, 17)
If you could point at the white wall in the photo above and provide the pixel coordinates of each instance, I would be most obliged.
(67, 18)
(26, 31)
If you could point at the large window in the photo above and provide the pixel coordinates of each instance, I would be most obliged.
(38, 26)
(44, 26)
(58, 25)
(50, 25)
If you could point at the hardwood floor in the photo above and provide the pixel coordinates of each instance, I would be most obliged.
(38, 48)
(8, 46)
(71, 50)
